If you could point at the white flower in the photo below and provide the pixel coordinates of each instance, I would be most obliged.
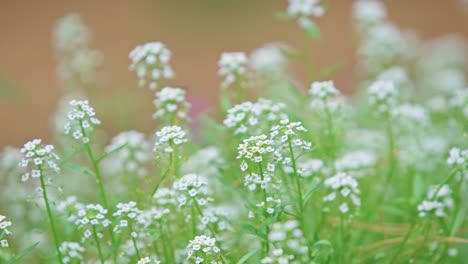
(269, 59)
(91, 216)
(438, 200)
(203, 249)
(253, 117)
(409, 115)
(369, 12)
(344, 189)
(457, 157)
(170, 102)
(71, 252)
(39, 156)
(290, 131)
(258, 149)
(126, 213)
(81, 120)
(383, 95)
(356, 160)
(134, 154)
(302, 10)
(277, 256)
(71, 34)
(232, 67)
(150, 61)
(169, 137)
(323, 90)
(3, 230)
(192, 187)
(288, 236)
(147, 260)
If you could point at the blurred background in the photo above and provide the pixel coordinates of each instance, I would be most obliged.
(195, 31)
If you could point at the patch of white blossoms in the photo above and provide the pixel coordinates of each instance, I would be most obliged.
(458, 157)
(302, 10)
(71, 252)
(325, 96)
(438, 201)
(4, 231)
(168, 138)
(344, 192)
(383, 95)
(289, 133)
(126, 213)
(134, 154)
(90, 217)
(258, 149)
(369, 12)
(81, 120)
(41, 157)
(288, 236)
(355, 161)
(192, 187)
(248, 117)
(171, 102)
(150, 61)
(269, 59)
(277, 256)
(147, 260)
(411, 116)
(203, 249)
(232, 67)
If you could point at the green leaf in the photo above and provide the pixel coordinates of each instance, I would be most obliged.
(76, 168)
(328, 71)
(308, 193)
(251, 229)
(458, 222)
(23, 253)
(247, 256)
(107, 154)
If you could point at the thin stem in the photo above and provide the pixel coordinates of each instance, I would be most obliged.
(266, 245)
(136, 248)
(163, 236)
(194, 223)
(51, 219)
(98, 245)
(164, 175)
(400, 248)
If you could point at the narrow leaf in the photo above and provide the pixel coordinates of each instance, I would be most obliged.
(23, 253)
(107, 154)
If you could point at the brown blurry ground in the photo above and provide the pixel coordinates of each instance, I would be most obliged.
(196, 31)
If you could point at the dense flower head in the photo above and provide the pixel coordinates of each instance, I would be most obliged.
(323, 90)
(169, 137)
(383, 95)
(290, 131)
(457, 157)
(257, 149)
(325, 97)
(134, 155)
(71, 33)
(302, 10)
(192, 187)
(369, 12)
(203, 249)
(71, 252)
(438, 201)
(126, 213)
(249, 116)
(288, 236)
(171, 102)
(344, 189)
(81, 120)
(150, 61)
(232, 67)
(269, 58)
(3, 230)
(41, 157)
(91, 215)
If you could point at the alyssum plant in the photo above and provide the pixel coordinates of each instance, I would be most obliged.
(289, 177)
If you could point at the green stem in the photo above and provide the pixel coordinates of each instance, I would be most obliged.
(194, 223)
(136, 248)
(164, 175)
(163, 236)
(400, 248)
(98, 245)
(266, 245)
(51, 219)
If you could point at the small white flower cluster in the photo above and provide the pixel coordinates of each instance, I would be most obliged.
(457, 157)
(168, 138)
(232, 67)
(270, 207)
(369, 12)
(203, 249)
(323, 90)
(92, 215)
(288, 236)
(257, 149)
(216, 216)
(247, 115)
(41, 156)
(192, 187)
(126, 213)
(81, 120)
(308, 168)
(269, 59)
(69, 207)
(171, 101)
(438, 200)
(3, 230)
(411, 116)
(383, 95)
(150, 61)
(149, 216)
(71, 252)
(134, 155)
(71, 33)
(325, 96)
(343, 187)
(147, 260)
(356, 161)
(277, 256)
(206, 162)
(303, 9)
(290, 131)
(165, 197)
